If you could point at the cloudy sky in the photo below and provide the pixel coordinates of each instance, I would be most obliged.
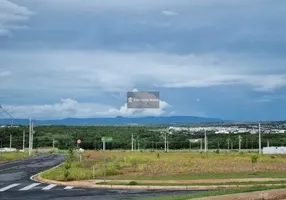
(79, 58)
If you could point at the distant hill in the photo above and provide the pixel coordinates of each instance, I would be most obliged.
(117, 121)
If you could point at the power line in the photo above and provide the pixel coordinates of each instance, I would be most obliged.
(5, 111)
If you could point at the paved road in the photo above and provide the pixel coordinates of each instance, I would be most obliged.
(15, 184)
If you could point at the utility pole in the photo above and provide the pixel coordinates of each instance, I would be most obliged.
(30, 137)
(165, 142)
(259, 138)
(103, 144)
(205, 141)
(132, 140)
(167, 146)
(10, 141)
(138, 146)
(23, 141)
(267, 143)
(239, 143)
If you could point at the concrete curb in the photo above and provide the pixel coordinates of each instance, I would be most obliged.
(92, 184)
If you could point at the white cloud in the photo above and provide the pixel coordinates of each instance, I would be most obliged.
(121, 72)
(72, 108)
(4, 72)
(169, 13)
(124, 111)
(11, 13)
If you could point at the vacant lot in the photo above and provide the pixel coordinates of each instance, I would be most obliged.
(152, 165)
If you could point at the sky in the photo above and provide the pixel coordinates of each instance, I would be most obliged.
(208, 58)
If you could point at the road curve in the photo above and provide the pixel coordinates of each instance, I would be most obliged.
(15, 184)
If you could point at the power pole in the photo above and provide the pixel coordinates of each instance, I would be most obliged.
(138, 146)
(267, 143)
(259, 138)
(205, 141)
(165, 142)
(30, 137)
(239, 143)
(103, 144)
(132, 140)
(32, 146)
(23, 141)
(167, 146)
(10, 141)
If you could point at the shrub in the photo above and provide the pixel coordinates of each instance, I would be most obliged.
(254, 159)
(132, 183)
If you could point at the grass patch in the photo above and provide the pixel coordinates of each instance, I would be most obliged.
(10, 156)
(205, 176)
(192, 184)
(171, 166)
(215, 193)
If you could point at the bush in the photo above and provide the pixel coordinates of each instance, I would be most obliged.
(217, 151)
(132, 183)
(254, 159)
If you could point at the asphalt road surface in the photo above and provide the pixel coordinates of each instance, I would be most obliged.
(15, 184)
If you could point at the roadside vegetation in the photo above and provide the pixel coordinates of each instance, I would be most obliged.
(169, 166)
(10, 156)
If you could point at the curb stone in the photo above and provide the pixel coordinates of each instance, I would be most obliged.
(92, 184)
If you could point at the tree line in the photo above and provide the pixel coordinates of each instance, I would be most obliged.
(144, 138)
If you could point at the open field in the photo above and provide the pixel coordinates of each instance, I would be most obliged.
(9, 156)
(170, 166)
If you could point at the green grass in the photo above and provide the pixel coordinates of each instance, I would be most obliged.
(195, 184)
(215, 193)
(205, 176)
(10, 156)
